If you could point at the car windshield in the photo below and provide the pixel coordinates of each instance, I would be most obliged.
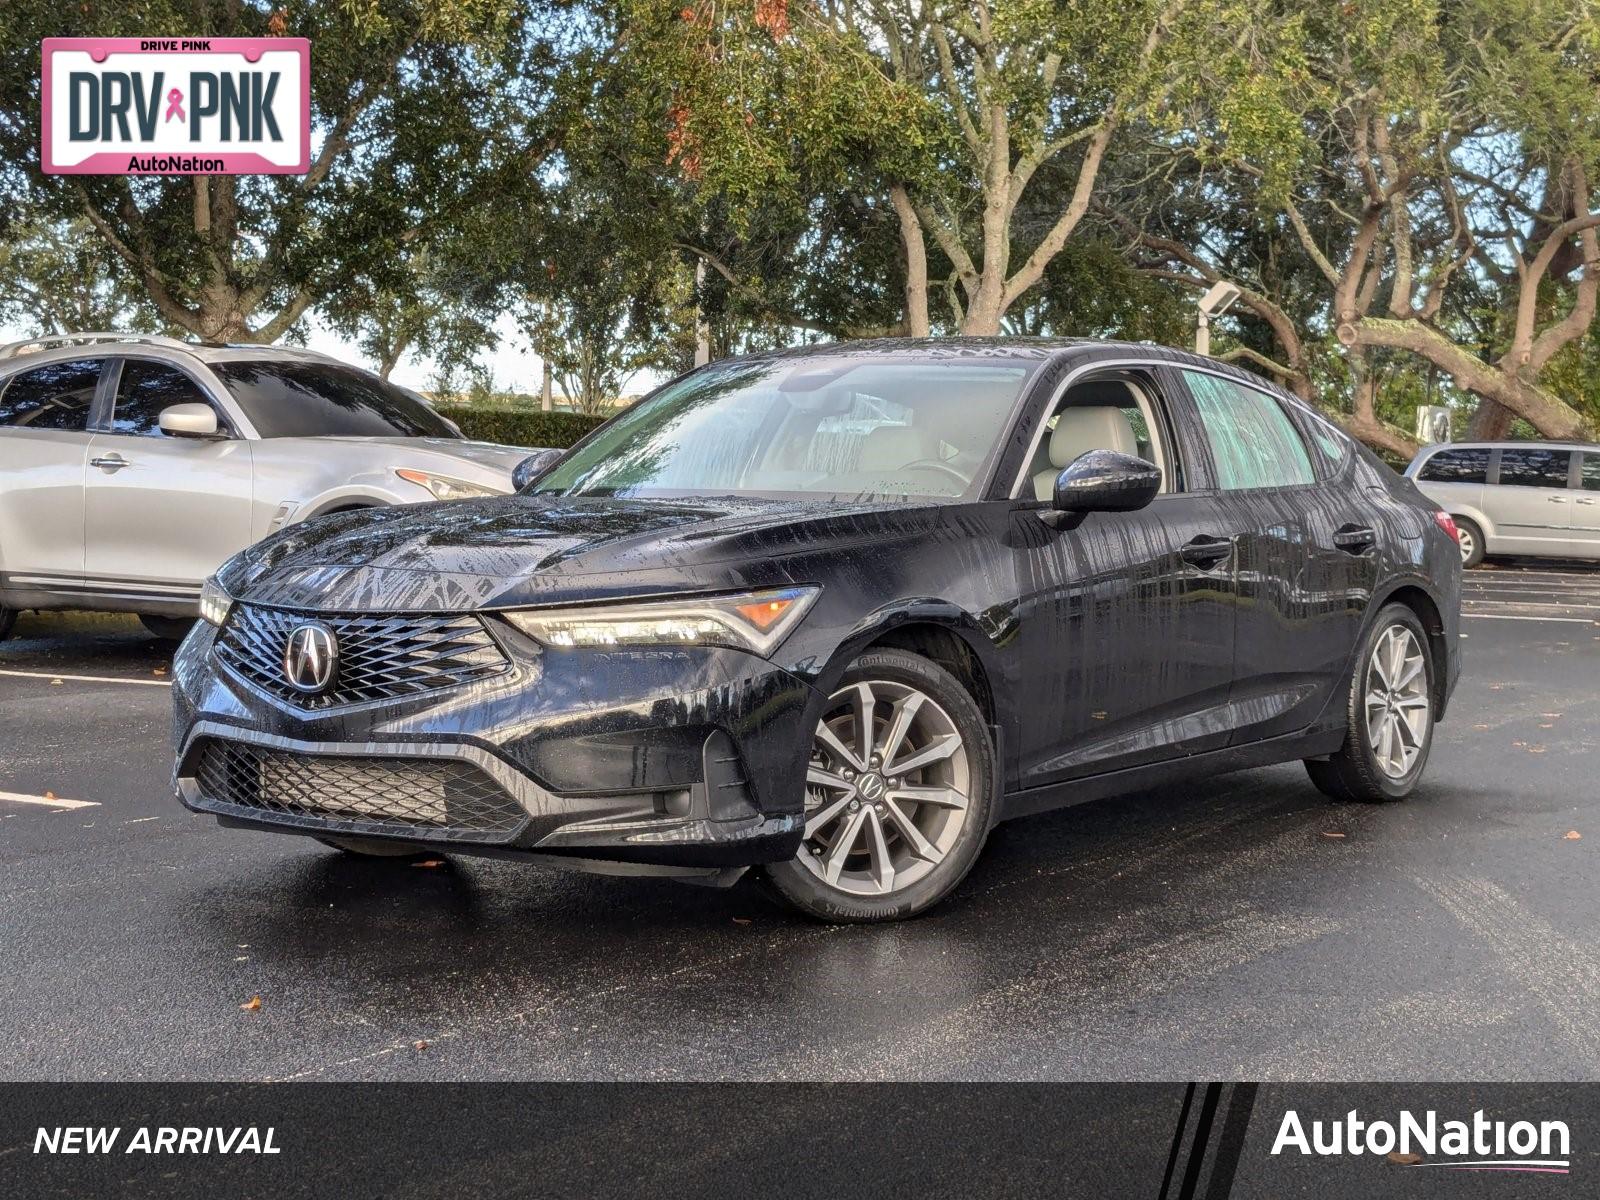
(816, 428)
(300, 399)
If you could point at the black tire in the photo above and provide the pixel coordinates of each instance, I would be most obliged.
(1471, 542)
(8, 621)
(1355, 772)
(800, 885)
(168, 629)
(374, 848)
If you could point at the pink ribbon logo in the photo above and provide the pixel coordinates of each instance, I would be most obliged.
(175, 105)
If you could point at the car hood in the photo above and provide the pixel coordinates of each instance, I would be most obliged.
(483, 454)
(532, 550)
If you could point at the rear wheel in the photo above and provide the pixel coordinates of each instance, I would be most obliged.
(373, 848)
(168, 629)
(1470, 538)
(898, 793)
(8, 619)
(1390, 714)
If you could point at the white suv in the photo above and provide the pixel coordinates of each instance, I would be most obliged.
(1534, 498)
(131, 467)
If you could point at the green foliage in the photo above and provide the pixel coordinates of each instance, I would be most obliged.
(536, 430)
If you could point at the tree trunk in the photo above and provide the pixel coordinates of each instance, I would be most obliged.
(702, 331)
(915, 255)
(1363, 423)
(546, 403)
(1491, 422)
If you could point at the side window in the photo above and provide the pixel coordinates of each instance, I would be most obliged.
(1331, 445)
(1100, 414)
(1591, 472)
(1535, 468)
(144, 390)
(1457, 466)
(1253, 442)
(55, 397)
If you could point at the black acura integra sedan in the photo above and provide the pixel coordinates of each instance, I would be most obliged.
(833, 613)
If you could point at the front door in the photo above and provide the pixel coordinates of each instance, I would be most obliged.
(1531, 505)
(162, 513)
(1127, 619)
(44, 442)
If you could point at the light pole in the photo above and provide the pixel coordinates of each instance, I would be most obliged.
(1218, 300)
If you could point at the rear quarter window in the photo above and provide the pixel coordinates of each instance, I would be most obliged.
(58, 396)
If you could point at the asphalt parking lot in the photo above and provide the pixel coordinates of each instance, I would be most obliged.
(1241, 927)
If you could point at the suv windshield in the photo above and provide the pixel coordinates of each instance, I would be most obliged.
(297, 399)
(823, 428)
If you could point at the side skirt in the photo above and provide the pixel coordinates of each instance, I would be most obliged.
(1287, 748)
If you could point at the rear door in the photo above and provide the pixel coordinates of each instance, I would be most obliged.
(44, 442)
(161, 513)
(1306, 541)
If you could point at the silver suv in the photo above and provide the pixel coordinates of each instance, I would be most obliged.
(131, 467)
(1538, 498)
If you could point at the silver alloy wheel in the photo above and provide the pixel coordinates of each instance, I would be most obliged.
(1465, 541)
(887, 789)
(1397, 705)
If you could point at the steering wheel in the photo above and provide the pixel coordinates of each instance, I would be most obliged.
(937, 464)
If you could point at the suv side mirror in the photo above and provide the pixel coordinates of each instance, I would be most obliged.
(1105, 481)
(188, 420)
(530, 468)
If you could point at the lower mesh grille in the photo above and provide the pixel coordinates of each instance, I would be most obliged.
(444, 798)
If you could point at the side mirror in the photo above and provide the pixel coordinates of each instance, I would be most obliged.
(530, 468)
(188, 420)
(1106, 481)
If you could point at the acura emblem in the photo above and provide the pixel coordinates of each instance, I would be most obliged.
(311, 657)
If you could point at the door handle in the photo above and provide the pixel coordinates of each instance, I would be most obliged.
(1355, 539)
(112, 462)
(1585, 500)
(1206, 552)
(1556, 499)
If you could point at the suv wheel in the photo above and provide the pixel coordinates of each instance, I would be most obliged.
(1390, 714)
(1470, 538)
(898, 793)
(8, 619)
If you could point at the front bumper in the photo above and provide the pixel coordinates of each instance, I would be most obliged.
(684, 760)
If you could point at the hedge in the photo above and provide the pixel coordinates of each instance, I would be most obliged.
(536, 430)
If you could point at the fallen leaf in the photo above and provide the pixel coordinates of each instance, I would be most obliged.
(1099, 716)
(421, 1045)
(1404, 1160)
(252, 1005)
(49, 795)
(1535, 749)
(1546, 726)
(1549, 716)
(1332, 833)
(1572, 835)
(741, 920)
(429, 863)
(160, 671)
(55, 683)
(1480, 727)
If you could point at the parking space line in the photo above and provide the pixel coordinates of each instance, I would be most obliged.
(87, 678)
(48, 801)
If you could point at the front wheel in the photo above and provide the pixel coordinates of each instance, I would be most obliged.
(8, 619)
(898, 793)
(1390, 714)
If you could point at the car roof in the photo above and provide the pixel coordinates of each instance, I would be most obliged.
(1507, 445)
(66, 347)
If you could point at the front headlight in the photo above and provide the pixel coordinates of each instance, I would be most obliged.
(215, 603)
(446, 487)
(754, 621)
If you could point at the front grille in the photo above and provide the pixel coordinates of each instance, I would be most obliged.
(381, 657)
(443, 798)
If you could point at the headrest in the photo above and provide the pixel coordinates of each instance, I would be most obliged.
(889, 447)
(1079, 430)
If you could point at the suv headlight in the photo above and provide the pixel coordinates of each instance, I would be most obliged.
(754, 621)
(446, 487)
(215, 604)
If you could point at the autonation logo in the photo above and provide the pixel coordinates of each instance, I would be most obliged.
(1476, 1145)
